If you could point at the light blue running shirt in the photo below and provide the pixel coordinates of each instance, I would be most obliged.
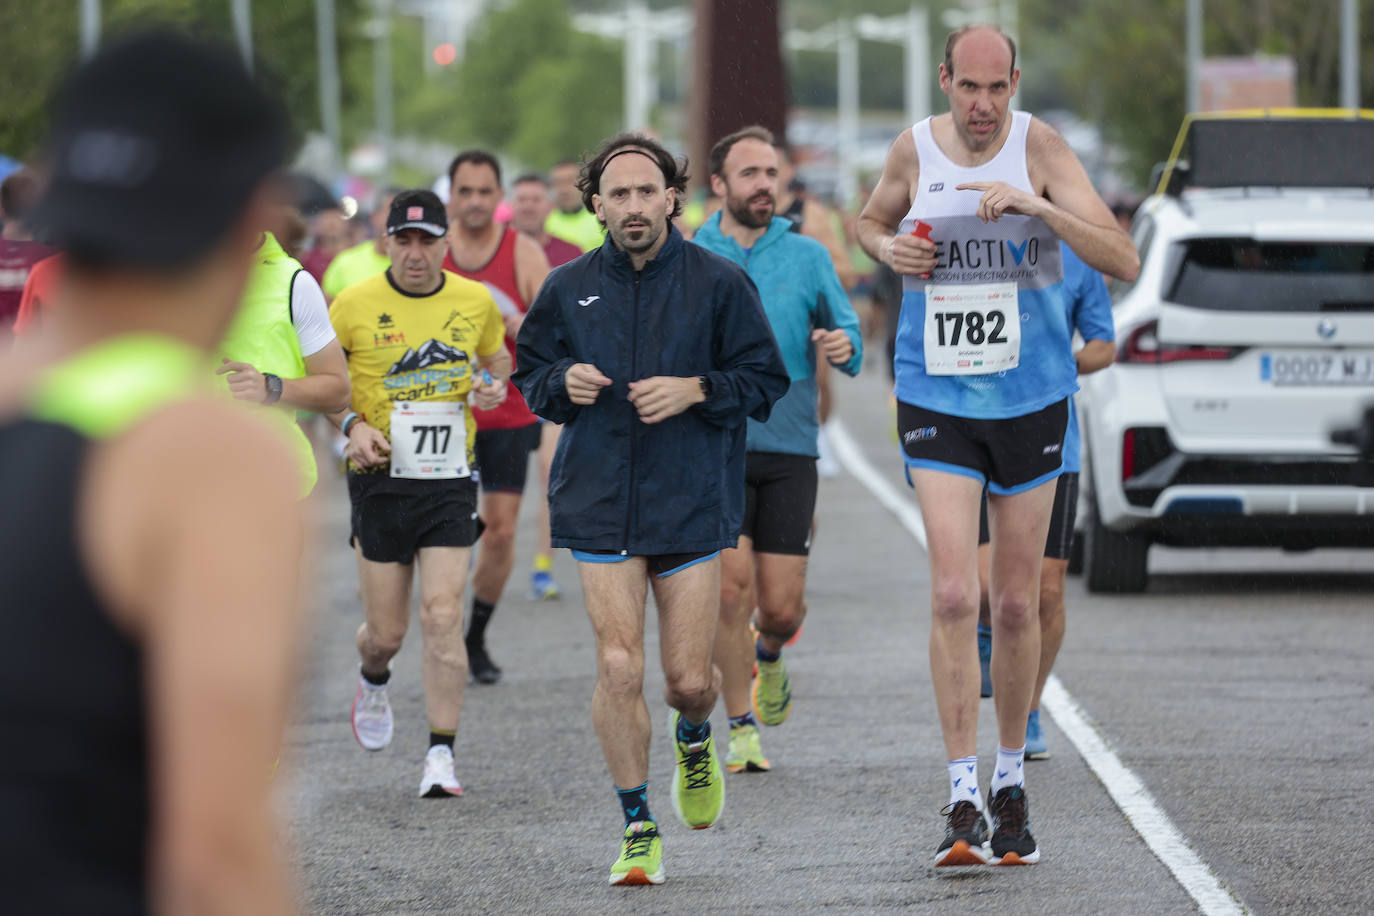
(986, 335)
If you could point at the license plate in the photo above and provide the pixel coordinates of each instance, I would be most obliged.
(1320, 368)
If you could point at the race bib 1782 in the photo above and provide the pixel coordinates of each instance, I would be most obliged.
(972, 329)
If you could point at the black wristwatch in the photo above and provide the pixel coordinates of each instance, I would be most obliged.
(273, 388)
(706, 387)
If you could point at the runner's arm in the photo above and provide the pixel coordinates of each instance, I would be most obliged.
(835, 312)
(886, 208)
(498, 363)
(1073, 208)
(531, 269)
(749, 374)
(542, 359)
(1092, 319)
(325, 387)
(1094, 355)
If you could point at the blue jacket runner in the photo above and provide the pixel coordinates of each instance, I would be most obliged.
(800, 292)
(618, 483)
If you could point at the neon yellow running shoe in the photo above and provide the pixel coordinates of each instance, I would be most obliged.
(698, 783)
(772, 694)
(641, 857)
(745, 752)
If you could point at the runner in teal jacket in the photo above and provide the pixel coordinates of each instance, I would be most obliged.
(800, 292)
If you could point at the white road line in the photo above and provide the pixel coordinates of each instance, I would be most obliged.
(1127, 791)
(856, 463)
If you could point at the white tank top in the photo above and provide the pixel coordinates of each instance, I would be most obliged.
(939, 176)
(985, 335)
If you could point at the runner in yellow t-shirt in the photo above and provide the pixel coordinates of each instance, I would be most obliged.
(419, 340)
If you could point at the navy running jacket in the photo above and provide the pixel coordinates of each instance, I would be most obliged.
(618, 483)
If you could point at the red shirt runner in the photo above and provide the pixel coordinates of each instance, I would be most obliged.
(499, 276)
(560, 252)
(16, 258)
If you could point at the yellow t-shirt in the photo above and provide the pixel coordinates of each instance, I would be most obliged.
(403, 347)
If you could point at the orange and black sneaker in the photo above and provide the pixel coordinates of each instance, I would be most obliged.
(966, 836)
(1012, 843)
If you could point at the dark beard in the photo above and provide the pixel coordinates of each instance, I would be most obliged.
(745, 216)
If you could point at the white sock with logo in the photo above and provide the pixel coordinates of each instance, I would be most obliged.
(1008, 771)
(963, 781)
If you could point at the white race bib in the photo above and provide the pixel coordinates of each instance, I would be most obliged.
(972, 329)
(429, 441)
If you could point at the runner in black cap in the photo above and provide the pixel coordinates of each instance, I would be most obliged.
(417, 339)
(154, 614)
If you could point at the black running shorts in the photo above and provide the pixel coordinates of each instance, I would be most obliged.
(503, 457)
(1062, 518)
(1010, 456)
(394, 517)
(661, 565)
(779, 502)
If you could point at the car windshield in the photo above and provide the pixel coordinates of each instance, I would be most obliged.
(1245, 275)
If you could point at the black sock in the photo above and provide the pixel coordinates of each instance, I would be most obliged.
(438, 737)
(688, 733)
(377, 680)
(477, 627)
(635, 803)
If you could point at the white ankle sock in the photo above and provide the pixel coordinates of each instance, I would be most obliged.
(963, 781)
(1008, 770)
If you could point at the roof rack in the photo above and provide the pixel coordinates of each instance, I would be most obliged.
(1271, 147)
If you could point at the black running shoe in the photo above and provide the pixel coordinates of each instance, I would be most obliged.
(966, 836)
(1012, 843)
(481, 667)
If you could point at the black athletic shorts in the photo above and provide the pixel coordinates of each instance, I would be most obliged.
(661, 565)
(503, 457)
(1010, 456)
(779, 502)
(1062, 518)
(393, 517)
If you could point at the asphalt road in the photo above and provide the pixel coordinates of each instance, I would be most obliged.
(1238, 689)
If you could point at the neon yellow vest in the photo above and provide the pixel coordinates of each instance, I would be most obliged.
(263, 336)
(112, 385)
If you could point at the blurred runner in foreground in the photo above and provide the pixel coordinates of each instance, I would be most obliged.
(150, 539)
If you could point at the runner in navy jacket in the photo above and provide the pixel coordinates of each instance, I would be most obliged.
(652, 353)
(618, 483)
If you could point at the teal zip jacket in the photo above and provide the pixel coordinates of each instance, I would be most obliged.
(800, 292)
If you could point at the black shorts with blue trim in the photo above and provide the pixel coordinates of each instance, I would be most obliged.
(1009, 456)
(661, 566)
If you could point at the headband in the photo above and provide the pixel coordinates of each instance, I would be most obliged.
(625, 151)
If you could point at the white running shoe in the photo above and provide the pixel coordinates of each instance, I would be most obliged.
(372, 721)
(439, 781)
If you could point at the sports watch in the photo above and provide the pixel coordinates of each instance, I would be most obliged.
(706, 387)
(273, 388)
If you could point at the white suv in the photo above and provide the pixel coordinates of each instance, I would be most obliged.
(1247, 339)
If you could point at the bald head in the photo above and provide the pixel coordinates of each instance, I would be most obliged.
(989, 45)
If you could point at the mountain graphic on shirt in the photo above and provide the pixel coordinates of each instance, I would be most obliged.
(430, 353)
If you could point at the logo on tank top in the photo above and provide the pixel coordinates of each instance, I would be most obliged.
(937, 186)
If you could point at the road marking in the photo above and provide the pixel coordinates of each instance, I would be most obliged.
(856, 463)
(1125, 788)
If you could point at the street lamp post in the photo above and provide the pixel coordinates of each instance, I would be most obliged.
(90, 26)
(1350, 54)
(242, 15)
(327, 42)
